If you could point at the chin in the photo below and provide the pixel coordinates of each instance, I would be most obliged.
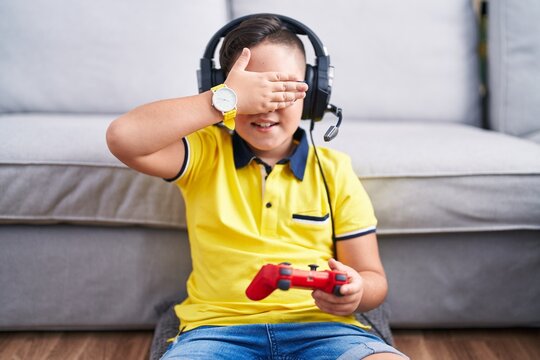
(262, 146)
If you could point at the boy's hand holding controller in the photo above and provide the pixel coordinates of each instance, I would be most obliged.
(337, 291)
(351, 292)
(259, 93)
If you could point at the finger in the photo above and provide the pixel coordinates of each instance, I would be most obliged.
(280, 76)
(320, 295)
(287, 96)
(336, 265)
(345, 309)
(282, 105)
(289, 86)
(242, 61)
(350, 289)
(336, 309)
(339, 266)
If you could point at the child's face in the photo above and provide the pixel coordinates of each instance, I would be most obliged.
(274, 140)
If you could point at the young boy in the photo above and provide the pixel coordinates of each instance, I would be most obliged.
(256, 196)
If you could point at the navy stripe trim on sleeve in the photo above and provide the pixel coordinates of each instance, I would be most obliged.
(184, 165)
(356, 234)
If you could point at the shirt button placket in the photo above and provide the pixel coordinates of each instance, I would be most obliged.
(270, 207)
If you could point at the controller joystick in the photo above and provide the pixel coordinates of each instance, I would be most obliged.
(271, 277)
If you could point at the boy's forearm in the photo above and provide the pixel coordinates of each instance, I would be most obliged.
(152, 127)
(375, 290)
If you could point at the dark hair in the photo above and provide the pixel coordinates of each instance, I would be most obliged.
(252, 32)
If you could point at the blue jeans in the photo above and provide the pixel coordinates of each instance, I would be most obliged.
(277, 342)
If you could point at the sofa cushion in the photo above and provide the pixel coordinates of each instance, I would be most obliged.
(514, 71)
(76, 277)
(394, 59)
(57, 168)
(421, 177)
(534, 136)
(101, 56)
(437, 178)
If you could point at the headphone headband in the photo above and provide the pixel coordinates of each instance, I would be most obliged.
(294, 25)
(319, 77)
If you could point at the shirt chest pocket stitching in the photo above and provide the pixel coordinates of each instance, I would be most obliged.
(311, 219)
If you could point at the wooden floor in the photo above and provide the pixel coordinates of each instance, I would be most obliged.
(469, 344)
(522, 344)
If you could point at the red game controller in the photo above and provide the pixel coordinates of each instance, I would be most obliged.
(271, 277)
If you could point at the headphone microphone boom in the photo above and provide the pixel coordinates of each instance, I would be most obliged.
(318, 77)
(333, 130)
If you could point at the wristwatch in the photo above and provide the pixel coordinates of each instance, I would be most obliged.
(224, 100)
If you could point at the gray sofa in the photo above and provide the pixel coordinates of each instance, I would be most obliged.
(86, 243)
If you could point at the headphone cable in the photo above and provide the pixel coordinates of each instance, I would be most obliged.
(327, 191)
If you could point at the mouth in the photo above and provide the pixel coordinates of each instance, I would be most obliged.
(262, 124)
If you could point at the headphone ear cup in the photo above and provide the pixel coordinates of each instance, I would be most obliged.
(208, 76)
(322, 87)
(204, 75)
(218, 77)
(311, 81)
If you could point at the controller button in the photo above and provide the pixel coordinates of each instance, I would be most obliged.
(284, 284)
(341, 277)
(285, 271)
(268, 205)
(313, 267)
(336, 290)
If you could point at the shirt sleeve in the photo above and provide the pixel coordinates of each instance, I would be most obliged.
(353, 213)
(200, 148)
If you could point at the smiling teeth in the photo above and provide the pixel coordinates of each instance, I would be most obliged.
(264, 125)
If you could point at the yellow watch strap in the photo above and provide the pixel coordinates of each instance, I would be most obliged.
(229, 116)
(217, 87)
(228, 119)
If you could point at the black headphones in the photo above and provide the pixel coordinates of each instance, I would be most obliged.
(319, 77)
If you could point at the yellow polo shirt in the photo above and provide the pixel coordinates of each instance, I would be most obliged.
(241, 217)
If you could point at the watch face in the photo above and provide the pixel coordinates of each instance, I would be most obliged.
(224, 99)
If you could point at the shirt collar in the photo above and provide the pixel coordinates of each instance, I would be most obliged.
(297, 160)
